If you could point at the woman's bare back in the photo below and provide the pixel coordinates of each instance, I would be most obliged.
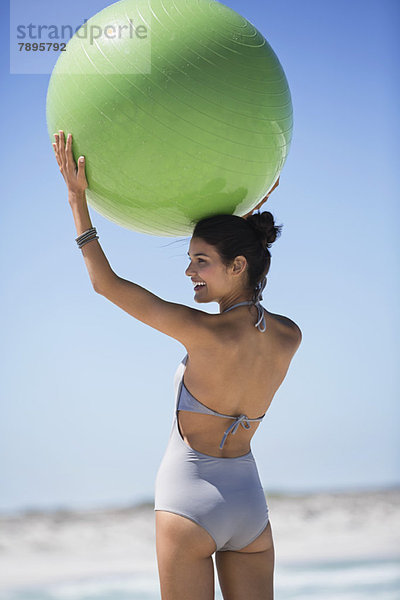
(238, 376)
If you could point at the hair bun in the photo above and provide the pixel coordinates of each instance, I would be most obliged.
(264, 224)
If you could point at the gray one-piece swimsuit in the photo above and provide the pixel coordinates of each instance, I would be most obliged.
(223, 495)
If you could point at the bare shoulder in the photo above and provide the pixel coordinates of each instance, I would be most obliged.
(288, 330)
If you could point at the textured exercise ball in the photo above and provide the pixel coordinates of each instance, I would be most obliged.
(181, 108)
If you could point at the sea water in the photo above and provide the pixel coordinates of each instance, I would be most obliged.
(340, 580)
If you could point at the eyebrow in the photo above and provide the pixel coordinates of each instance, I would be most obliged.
(199, 254)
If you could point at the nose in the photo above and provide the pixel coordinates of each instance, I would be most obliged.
(190, 270)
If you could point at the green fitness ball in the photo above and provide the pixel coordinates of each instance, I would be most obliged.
(181, 108)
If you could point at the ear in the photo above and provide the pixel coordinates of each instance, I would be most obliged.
(239, 265)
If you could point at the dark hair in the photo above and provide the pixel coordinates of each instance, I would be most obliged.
(237, 236)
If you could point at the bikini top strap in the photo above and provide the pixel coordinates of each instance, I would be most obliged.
(239, 304)
(261, 325)
(261, 318)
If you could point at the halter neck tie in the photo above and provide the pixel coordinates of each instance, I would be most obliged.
(260, 311)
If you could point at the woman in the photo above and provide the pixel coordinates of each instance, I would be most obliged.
(208, 495)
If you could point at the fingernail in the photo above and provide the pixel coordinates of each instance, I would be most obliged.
(81, 158)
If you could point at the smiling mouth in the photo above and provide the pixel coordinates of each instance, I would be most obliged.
(199, 286)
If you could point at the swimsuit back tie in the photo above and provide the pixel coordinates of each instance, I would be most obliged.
(243, 421)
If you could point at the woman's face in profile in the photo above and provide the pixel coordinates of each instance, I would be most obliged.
(206, 269)
(214, 279)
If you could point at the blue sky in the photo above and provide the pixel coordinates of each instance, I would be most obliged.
(86, 391)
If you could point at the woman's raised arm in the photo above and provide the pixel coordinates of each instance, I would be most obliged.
(97, 264)
(187, 325)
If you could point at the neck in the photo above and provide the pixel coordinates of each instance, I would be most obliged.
(239, 303)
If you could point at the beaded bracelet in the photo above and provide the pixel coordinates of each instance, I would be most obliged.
(87, 236)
